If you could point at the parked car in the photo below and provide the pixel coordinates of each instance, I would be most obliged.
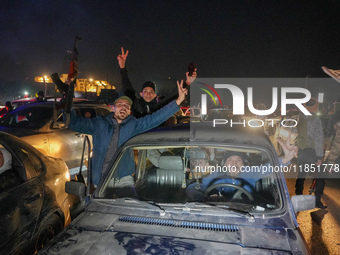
(41, 125)
(28, 100)
(150, 211)
(34, 205)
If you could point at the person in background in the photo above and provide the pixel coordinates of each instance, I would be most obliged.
(147, 103)
(41, 96)
(8, 108)
(310, 142)
(87, 115)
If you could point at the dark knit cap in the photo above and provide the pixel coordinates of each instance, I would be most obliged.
(148, 84)
(234, 153)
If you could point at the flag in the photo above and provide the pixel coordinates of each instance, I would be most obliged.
(335, 74)
(73, 71)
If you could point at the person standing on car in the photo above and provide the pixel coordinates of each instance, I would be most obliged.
(310, 142)
(147, 103)
(112, 130)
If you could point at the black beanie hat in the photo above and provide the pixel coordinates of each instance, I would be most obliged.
(234, 153)
(148, 84)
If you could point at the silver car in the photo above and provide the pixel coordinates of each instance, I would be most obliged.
(41, 125)
(173, 203)
(34, 205)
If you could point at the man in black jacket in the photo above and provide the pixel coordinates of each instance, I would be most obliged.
(147, 103)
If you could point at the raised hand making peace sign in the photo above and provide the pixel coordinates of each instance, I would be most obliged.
(122, 58)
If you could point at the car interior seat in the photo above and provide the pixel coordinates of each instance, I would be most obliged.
(163, 183)
(169, 172)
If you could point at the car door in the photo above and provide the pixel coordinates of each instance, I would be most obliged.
(65, 143)
(21, 202)
(29, 122)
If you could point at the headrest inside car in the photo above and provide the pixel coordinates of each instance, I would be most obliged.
(170, 162)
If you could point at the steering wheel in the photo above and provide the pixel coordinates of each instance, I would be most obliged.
(236, 196)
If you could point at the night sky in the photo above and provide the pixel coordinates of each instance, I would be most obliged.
(224, 39)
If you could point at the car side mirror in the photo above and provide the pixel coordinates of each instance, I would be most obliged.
(303, 202)
(75, 188)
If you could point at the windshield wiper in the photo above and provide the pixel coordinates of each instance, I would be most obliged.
(148, 203)
(238, 211)
(223, 207)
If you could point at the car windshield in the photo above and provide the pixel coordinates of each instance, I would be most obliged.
(219, 176)
(31, 117)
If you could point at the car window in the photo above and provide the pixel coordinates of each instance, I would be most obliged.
(103, 111)
(181, 174)
(87, 112)
(25, 157)
(34, 160)
(10, 170)
(31, 117)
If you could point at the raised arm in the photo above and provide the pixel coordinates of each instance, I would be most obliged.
(127, 88)
(158, 117)
(174, 92)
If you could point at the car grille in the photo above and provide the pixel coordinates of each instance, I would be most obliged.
(180, 224)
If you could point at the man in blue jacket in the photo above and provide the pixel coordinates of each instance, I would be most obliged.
(111, 131)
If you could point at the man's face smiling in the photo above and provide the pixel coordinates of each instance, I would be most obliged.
(234, 162)
(122, 110)
(148, 94)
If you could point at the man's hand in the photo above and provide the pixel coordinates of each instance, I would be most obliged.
(181, 93)
(122, 58)
(191, 79)
(289, 150)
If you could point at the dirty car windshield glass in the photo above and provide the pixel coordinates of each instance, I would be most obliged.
(206, 174)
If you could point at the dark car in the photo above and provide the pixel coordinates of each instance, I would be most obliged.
(154, 210)
(29, 100)
(34, 205)
(41, 125)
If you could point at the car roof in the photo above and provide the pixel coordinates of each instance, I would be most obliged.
(204, 132)
(51, 103)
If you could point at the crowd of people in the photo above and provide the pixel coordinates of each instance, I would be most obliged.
(135, 113)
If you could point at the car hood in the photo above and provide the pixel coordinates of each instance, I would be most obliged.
(106, 233)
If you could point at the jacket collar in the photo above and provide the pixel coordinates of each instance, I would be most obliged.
(109, 117)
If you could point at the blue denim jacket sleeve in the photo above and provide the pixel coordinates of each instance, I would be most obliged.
(151, 121)
(80, 124)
